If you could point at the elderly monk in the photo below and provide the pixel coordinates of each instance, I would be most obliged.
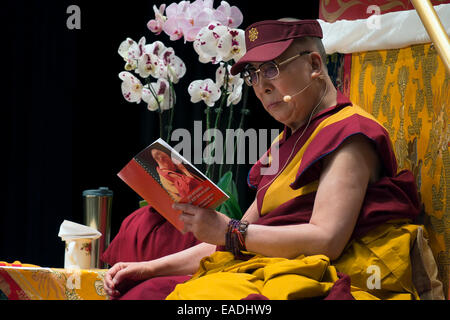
(332, 220)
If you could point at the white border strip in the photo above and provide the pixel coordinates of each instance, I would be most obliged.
(26, 268)
(387, 31)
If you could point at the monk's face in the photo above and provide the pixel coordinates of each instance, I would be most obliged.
(294, 76)
(163, 159)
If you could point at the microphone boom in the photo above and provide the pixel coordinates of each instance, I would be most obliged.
(288, 98)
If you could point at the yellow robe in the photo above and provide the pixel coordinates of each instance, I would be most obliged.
(378, 265)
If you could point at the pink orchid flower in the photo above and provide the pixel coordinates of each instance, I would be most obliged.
(229, 16)
(198, 14)
(156, 25)
(176, 15)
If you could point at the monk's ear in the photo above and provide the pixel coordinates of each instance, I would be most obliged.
(316, 65)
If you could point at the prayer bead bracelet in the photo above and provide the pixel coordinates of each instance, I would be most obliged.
(235, 237)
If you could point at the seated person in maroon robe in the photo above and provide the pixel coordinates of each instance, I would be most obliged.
(337, 182)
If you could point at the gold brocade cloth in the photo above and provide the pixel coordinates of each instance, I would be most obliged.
(29, 282)
(407, 90)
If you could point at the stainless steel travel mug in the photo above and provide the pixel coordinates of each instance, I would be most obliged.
(97, 205)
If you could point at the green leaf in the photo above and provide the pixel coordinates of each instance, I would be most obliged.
(142, 203)
(230, 207)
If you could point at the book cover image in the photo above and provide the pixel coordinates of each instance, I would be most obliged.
(161, 176)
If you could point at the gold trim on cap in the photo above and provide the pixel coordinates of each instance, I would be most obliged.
(253, 34)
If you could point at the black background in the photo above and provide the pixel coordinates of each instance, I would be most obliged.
(65, 126)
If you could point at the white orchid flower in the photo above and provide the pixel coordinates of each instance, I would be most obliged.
(131, 51)
(234, 84)
(236, 92)
(149, 65)
(205, 90)
(231, 45)
(155, 48)
(220, 76)
(158, 96)
(205, 44)
(132, 88)
(125, 46)
(174, 68)
(123, 52)
(166, 63)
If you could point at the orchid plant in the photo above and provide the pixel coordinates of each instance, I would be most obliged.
(151, 61)
(217, 40)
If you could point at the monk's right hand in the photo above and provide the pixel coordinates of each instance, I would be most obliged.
(123, 275)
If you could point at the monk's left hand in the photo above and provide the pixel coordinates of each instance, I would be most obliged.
(207, 225)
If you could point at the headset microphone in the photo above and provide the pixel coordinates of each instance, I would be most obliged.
(288, 98)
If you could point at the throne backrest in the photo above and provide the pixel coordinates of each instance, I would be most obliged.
(407, 90)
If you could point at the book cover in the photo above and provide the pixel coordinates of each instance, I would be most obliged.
(161, 176)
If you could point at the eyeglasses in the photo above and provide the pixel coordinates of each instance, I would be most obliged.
(269, 70)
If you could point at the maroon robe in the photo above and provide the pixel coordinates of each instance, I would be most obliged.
(394, 196)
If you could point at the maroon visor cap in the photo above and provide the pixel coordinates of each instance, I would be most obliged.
(266, 40)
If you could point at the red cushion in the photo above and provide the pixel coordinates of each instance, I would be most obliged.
(153, 289)
(145, 235)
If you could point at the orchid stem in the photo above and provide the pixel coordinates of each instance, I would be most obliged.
(219, 111)
(161, 129)
(230, 118)
(172, 103)
(152, 90)
(244, 110)
(208, 137)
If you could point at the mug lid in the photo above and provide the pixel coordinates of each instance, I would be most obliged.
(100, 192)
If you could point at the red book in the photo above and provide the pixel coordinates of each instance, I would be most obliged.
(161, 176)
